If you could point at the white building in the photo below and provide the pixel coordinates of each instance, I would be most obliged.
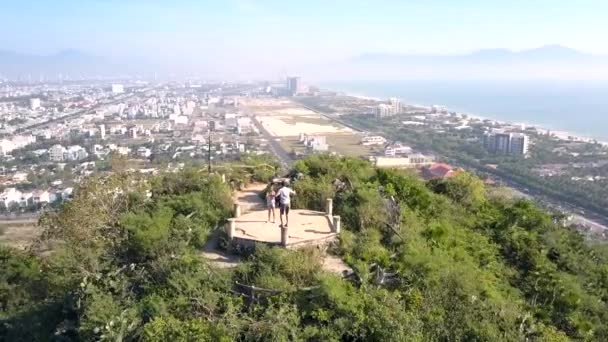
(57, 153)
(41, 196)
(10, 196)
(144, 152)
(75, 152)
(439, 109)
(317, 143)
(26, 199)
(67, 193)
(6, 146)
(383, 110)
(118, 88)
(181, 120)
(122, 150)
(397, 149)
(15, 142)
(34, 103)
(373, 140)
(102, 131)
(411, 161)
(395, 103)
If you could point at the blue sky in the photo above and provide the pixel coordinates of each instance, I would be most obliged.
(267, 32)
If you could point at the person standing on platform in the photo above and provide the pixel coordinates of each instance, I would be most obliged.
(270, 203)
(285, 202)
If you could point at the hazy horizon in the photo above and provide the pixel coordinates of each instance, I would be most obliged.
(241, 39)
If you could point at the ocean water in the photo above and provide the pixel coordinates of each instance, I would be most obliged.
(577, 107)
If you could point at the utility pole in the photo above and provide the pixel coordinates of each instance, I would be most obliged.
(209, 125)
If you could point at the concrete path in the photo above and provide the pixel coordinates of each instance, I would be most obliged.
(249, 199)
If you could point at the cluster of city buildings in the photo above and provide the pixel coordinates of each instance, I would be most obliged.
(58, 153)
(396, 154)
(46, 126)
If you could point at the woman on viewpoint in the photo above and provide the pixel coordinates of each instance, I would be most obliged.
(270, 203)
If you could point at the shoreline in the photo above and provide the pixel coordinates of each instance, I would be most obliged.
(559, 134)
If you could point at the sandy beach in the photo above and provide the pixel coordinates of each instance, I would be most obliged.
(560, 134)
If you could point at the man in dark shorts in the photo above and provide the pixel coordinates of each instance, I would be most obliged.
(285, 201)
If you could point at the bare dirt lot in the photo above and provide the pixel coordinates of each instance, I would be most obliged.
(18, 233)
(283, 118)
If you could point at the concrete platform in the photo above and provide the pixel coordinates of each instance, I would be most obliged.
(306, 227)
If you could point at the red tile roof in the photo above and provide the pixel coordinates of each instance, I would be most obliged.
(438, 170)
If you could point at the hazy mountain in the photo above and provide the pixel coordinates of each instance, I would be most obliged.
(548, 53)
(69, 63)
(547, 62)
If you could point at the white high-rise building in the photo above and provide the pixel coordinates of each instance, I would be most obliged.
(118, 88)
(57, 153)
(34, 103)
(384, 110)
(396, 104)
(102, 131)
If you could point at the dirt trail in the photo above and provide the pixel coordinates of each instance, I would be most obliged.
(249, 199)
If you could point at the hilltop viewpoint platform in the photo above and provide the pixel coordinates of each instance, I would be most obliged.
(306, 228)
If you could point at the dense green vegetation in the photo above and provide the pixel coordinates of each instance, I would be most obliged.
(463, 147)
(460, 265)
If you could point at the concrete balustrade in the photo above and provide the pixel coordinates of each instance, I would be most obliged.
(307, 227)
(231, 227)
(336, 226)
(329, 206)
(284, 236)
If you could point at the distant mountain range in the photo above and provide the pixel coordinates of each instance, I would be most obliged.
(547, 62)
(69, 63)
(551, 61)
(548, 53)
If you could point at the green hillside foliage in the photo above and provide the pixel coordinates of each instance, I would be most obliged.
(432, 261)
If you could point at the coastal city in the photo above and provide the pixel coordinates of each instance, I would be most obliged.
(262, 170)
(54, 135)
